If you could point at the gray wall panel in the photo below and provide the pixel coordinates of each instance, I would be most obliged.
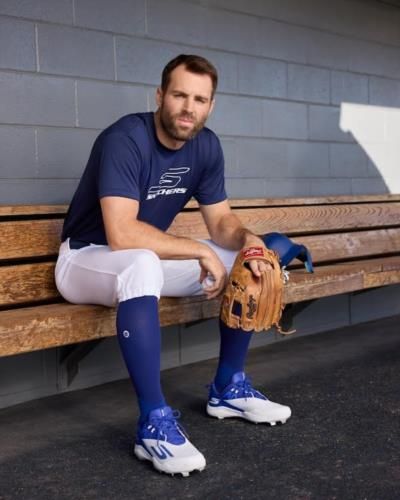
(118, 16)
(262, 77)
(348, 87)
(36, 100)
(59, 11)
(100, 104)
(17, 42)
(63, 153)
(71, 51)
(14, 159)
(308, 84)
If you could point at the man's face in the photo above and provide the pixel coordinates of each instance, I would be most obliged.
(185, 105)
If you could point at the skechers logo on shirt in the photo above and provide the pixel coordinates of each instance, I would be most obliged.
(168, 182)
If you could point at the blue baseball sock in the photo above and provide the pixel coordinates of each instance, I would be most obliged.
(233, 349)
(139, 336)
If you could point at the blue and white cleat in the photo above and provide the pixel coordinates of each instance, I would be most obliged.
(240, 399)
(162, 441)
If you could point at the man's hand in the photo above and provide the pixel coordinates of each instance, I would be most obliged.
(257, 266)
(211, 266)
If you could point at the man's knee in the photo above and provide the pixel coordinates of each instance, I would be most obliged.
(144, 276)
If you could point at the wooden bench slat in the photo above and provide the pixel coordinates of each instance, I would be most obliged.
(27, 283)
(299, 220)
(30, 283)
(37, 238)
(29, 210)
(339, 246)
(41, 237)
(61, 324)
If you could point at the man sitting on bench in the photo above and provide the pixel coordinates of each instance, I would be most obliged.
(142, 171)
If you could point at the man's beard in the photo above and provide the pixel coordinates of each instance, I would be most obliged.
(167, 122)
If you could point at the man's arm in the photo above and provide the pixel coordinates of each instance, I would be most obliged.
(228, 232)
(124, 231)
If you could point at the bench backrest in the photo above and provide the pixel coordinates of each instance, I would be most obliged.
(335, 229)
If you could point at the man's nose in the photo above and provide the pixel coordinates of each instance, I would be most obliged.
(188, 105)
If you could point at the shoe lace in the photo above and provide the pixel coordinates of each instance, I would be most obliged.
(244, 389)
(167, 428)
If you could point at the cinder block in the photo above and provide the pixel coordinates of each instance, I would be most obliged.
(348, 160)
(308, 84)
(17, 42)
(324, 124)
(33, 191)
(328, 50)
(63, 153)
(226, 65)
(283, 41)
(17, 146)
(262, 158)
(59, 11)
(141, 60)
(245, 188)
(326, 187)
(72, 51)
(368, 20)
(100, 104)
(375, 304)
(177, 21)
(384, 92)
(232, 31)
(40, 100)
(262, 77)
(307, 159)
(348, 87)
(369, 186)
(374, 59)
(230, 149)
(286, 120)
(236, 116)
(287, 187)
(118, 16)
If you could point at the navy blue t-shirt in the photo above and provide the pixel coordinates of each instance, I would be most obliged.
(128, 160)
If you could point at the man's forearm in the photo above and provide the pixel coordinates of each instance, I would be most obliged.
(231, 234)
(138, 234)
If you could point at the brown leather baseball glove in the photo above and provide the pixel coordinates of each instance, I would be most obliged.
(250, 302)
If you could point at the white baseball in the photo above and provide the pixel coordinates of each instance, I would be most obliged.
(208, 282)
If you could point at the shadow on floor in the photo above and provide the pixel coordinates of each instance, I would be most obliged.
(342, 441)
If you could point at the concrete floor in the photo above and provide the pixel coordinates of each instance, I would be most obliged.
(342, 441)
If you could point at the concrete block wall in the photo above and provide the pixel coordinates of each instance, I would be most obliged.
(68, 68)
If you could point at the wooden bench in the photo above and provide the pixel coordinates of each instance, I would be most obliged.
(354, 240)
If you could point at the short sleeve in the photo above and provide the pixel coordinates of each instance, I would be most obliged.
(211, 188)
(119, 167)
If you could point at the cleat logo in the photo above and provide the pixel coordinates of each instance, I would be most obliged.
(162, 452)
(214, 401)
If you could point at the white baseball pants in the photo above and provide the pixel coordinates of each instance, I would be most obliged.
(97, 275)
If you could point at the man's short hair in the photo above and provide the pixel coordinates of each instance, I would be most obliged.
(192, 63)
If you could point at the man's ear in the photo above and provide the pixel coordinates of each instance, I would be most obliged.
(159, 96)
(211, 107)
